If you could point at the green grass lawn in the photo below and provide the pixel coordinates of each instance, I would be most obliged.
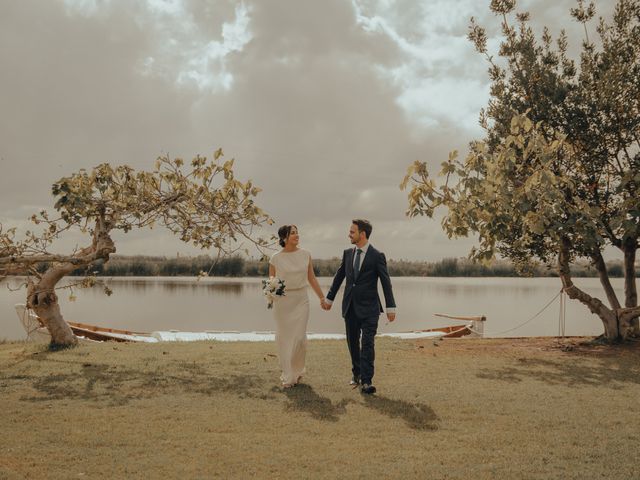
(466, 409)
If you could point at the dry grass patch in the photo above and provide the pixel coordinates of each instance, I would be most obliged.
(464, 409)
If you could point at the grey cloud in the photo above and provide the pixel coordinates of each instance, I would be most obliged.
(75, 98)
(309, 116)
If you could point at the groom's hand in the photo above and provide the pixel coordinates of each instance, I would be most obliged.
(391, 317)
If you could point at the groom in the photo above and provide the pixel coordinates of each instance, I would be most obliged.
(362, 266)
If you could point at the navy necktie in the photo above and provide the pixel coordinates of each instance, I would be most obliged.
(356, 265)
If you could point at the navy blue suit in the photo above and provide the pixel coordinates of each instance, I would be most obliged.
(361, 306)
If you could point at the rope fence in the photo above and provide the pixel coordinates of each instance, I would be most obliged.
(561, 319)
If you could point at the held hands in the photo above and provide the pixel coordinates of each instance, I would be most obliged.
(324, 305)
(391, 317)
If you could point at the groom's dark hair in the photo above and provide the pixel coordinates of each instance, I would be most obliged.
(363, 226)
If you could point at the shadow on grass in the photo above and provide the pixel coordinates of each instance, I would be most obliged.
(118, 385)
(416, 415)
(303, 398)
(569, 372)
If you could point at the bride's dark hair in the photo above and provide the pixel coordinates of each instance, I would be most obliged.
(284, 232)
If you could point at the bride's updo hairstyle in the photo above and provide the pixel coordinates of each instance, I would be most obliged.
(284, 232)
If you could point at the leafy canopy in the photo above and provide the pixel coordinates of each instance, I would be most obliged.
(204, 205)
(561, 155)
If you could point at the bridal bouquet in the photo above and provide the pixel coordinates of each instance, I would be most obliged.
(272, 288)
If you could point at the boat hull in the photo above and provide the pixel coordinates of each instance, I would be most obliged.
(453, 331)
(87, 332)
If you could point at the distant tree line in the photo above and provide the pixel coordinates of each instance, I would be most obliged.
(237, 266)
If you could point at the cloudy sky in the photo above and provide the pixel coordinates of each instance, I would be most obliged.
(323, 103)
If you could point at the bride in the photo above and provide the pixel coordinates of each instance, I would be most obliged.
(291, 311)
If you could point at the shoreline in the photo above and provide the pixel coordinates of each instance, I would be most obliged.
(149, 304)
(265, 337)
(582, 343)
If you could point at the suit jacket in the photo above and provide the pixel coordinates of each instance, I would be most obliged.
(362, 293)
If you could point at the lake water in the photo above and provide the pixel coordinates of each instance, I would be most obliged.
(182, 303)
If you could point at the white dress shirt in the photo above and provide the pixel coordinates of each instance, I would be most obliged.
(364, 249)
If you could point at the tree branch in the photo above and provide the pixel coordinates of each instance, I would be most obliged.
(600, 265)
(11, 261)
(593, 304)
(628, 314)
(631, 294)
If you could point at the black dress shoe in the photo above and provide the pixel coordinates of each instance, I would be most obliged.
(355, 381)
(368, 389)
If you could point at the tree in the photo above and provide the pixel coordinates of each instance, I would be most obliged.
(206, 206)
(557, 175)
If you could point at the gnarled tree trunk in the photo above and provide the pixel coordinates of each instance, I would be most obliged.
(630, 293)
(598, 261)
(607, 315)
(42, 298)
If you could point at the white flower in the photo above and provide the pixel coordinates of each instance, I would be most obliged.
(272, 288)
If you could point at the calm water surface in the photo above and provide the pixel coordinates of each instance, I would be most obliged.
(182, 303)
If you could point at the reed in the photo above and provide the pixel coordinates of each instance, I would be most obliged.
(237, 266)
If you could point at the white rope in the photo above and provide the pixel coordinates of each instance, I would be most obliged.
(30, 323)
(492, 334)
(562, 315)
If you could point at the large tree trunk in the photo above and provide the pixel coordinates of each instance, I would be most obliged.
(608, 316)
(630, 292)
(42, 298)
(598, 261)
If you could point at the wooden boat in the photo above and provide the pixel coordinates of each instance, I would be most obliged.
(36, 330)
(86, 332)
(452, 331)
(101, 334)
(474, 327)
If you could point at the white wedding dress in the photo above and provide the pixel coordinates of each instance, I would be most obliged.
(291, 312)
